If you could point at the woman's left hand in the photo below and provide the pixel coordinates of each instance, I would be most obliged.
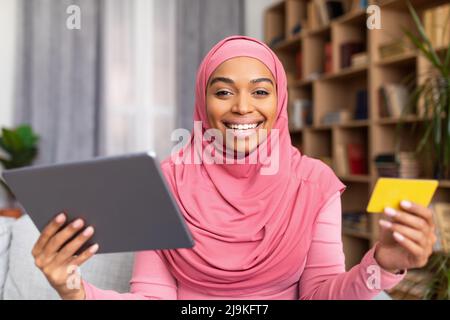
(407, 237)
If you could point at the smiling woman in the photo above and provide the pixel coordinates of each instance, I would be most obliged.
(241, 97)
(258, 236)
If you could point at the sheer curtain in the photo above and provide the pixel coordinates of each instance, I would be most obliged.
(138, 71)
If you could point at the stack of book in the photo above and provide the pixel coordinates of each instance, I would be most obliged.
(348, 50)
(386, 165)
(436, 24)
(408, 165)
(334, 117)
(394, 48)
(394, 99)
(360, 59)
(356, 220)
(401, 165)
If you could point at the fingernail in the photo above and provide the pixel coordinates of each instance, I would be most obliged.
(385, 223)
(390, 212)
(78, 223)
(60, 218)
(93, 248)
(398, 236)
(406, 204)
(88, 231)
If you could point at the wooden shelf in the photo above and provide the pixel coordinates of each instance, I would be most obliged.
(304, 83)
(354, 124)
(444, 184)
(324, 30)
(356, 178)
(406, 119)
(347, 73)
(402, 59)
(340, 89)
(289, 44)
(355, 16)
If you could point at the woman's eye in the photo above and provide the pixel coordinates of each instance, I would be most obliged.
(222, 93)
(261, 92)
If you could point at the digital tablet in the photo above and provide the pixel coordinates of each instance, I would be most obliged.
(125, 198)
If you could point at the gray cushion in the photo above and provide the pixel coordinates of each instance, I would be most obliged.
(25, 281)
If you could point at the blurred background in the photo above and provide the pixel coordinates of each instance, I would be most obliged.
(369, 100)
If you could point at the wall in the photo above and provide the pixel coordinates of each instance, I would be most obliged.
(7, 49)
(7, 54)
(254, 14)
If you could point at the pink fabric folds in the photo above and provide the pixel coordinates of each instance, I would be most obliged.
(251, 230)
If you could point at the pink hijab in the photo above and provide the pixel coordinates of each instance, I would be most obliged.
(251, 231)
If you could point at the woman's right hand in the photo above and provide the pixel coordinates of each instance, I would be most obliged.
(57, 259)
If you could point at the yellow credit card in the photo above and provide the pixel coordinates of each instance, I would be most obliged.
(388, 192)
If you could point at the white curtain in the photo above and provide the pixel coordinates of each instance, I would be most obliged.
(138, 76)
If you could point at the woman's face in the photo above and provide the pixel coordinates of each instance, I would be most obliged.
(241, 97)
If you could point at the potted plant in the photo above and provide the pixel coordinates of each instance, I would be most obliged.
(18, 148)
(434, 94)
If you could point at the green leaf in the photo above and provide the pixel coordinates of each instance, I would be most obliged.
(11, 141)
(423, 34)
(27, 136)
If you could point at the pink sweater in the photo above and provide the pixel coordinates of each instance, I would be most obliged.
(320, 276)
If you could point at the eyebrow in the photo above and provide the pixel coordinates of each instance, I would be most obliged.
(230, 81)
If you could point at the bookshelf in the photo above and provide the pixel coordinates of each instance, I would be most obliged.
(334, 88)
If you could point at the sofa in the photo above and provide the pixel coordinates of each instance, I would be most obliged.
(20, 279)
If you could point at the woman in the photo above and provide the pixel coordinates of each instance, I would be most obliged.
(257, 236)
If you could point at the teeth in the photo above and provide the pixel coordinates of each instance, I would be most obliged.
(242, 126)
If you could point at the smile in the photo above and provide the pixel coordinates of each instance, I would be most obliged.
(242, 126)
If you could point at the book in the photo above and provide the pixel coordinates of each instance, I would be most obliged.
(361, 110)
(356, 158)
(313, 19)
(347, 50)
(329, 9)
(436, 21)
(360, 59)
(301, 114)
(394, 98)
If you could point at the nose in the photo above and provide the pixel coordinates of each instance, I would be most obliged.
(243, 105)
